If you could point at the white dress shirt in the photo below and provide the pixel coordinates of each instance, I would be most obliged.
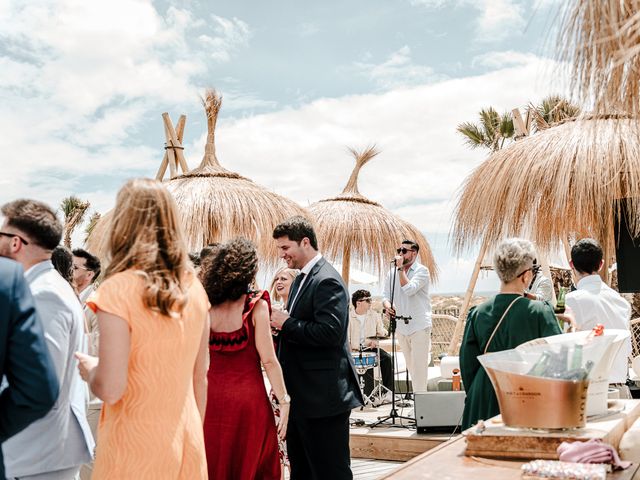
(595, 302)
(411, 300)
(305, 272)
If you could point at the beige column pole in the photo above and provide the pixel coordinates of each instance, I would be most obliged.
(346, 264)
(457, 333)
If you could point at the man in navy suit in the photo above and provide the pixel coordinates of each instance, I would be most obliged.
(24, 358)
(316, 359)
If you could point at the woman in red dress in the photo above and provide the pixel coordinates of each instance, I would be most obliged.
(241, 436)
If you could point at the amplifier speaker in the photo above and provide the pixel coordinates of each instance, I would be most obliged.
(438, 409)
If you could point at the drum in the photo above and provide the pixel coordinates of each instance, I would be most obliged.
(364, 361)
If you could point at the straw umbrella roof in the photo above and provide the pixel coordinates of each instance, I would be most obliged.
(600, 39)
(566, 180)
(352, 227)
(216, 204)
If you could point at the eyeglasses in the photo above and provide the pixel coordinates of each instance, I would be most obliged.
(78, 267)
(7, 234)
(368, 300)
(535, 269)
(404, 250)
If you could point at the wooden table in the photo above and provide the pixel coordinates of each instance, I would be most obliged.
(448, 462)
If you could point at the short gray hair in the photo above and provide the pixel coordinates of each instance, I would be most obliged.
(512, 257)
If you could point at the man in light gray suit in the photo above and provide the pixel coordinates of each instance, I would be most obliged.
(54, 447)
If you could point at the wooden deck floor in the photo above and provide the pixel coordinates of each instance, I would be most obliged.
(366, 469)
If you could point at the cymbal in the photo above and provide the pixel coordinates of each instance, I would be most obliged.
(378, 337)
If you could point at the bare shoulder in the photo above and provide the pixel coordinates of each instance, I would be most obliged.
(261, 308)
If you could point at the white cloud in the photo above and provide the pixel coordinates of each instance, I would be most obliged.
(307, 29)
(397, 70)
(497, 19)
(423, 160)
(231, 35)
(80, 78)
(432, 3)
(502, 59)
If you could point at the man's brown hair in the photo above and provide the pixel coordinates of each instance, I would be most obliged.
(36, 220)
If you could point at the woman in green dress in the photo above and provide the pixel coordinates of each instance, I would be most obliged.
(522, 320)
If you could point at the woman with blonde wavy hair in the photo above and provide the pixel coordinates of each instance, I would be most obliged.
(153, 349)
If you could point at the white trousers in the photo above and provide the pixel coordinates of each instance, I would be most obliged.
(93, 416)
(416, 348)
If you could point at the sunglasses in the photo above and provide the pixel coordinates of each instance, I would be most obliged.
(368, 300)
(404, 250)
(535, 269)
(6, 234)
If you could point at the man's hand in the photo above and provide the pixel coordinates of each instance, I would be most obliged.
(399, 260)
(86, 365)
(278, 317)
(389, 312)
(568, 317)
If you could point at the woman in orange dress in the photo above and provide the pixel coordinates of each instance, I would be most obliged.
(153, 352)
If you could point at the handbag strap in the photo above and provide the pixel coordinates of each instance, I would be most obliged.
(500, 321)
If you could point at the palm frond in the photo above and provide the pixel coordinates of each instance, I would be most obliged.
(474, 136)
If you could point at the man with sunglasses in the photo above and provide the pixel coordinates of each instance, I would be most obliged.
(411, 302)
(55, 446)
(364, 323)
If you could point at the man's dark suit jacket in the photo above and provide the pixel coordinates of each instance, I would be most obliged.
(314, 353)
(24, 358)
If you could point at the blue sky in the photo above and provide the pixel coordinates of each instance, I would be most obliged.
(84, 85)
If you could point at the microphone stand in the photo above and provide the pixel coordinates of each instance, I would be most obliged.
(393, 414)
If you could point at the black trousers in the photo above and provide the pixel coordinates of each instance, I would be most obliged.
(318, 448)
(385, 369)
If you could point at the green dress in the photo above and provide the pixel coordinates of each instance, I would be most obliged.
(527, 320)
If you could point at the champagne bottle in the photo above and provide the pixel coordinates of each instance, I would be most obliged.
(560, 301)
(541, 365)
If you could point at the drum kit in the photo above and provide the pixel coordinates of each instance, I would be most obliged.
(365, 361)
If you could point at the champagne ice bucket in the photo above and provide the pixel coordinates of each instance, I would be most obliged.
(537, 402)
(549, 399)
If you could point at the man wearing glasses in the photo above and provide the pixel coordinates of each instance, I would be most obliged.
(411, 302)
(55, 446)
(364, 323)
(86, 269)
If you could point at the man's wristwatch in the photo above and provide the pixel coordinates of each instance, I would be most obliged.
(285, 400)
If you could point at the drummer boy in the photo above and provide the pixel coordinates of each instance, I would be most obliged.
(365, 327)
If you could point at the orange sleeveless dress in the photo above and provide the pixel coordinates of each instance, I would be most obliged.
(154, 431)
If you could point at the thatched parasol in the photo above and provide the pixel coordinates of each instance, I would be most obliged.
(216, 204)
(566, 181)
(601, 41)
(350, 226)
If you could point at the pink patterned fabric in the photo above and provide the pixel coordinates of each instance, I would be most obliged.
(591, 451)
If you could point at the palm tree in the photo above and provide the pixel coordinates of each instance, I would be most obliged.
(492, 131)
(552, 110)
(93, 219)
(74, 211)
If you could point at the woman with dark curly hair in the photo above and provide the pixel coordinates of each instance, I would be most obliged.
(240, 433)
